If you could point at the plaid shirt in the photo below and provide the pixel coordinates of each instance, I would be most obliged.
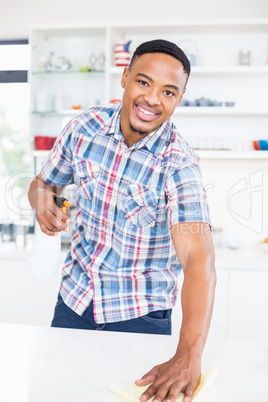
(122, 255)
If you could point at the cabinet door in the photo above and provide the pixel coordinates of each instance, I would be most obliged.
(248, 304)
(24, 299)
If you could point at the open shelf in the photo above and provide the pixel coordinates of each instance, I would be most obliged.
(68, 112)
(67, 72)
(213, 110)
(217, 74)
(212, 70)
(215, 154)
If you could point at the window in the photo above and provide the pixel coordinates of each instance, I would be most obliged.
(15, 156)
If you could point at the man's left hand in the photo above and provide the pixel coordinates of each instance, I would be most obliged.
(179, 374)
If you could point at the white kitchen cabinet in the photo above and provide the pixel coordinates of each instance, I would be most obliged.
(25, 299)
(216, 75)
(241, 301)
(57, 91)
(248, 298)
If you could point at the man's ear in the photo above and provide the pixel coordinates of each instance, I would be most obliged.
(124, 77)
(180, 98)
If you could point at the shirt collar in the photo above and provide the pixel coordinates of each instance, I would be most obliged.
(153, 141)
(156, 139)
(112, 126)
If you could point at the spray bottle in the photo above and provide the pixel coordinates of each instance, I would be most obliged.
(44, 257)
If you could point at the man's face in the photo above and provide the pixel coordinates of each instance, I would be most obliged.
(154, 87)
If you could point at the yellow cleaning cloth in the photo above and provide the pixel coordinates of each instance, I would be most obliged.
(133, 392)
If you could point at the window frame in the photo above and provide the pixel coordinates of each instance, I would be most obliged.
(13, 76)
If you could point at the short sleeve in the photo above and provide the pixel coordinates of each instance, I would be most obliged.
(57, 168)
(186, 196)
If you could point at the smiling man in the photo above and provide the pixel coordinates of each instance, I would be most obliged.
(142, 218)
(154, 85)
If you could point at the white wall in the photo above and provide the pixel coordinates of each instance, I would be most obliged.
(16, 16)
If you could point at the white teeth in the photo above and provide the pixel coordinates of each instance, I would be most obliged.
(146, 111)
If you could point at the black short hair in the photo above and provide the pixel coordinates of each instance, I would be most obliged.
(162, 46)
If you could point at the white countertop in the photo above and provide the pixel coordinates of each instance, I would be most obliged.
(56, 365)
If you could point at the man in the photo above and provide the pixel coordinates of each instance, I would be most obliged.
(142, 217)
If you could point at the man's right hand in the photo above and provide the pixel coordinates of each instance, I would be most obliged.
(50, 218)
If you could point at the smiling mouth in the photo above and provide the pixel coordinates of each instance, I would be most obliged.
(145, 114)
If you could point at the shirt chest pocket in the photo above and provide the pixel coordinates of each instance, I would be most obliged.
(86, 173)
(141, 205)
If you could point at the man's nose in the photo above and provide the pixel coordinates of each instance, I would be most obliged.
(152, 97)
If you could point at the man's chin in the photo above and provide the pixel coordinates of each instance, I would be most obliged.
(138, 130)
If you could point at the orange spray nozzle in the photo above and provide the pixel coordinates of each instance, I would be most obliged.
(66, 204)
(61, 203)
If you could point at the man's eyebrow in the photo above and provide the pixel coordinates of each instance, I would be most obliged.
(172, 86)
(151, 80)
(144, 76)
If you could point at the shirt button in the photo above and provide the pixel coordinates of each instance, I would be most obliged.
(98, 260)
(87, 237)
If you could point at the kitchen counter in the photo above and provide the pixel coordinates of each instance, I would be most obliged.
(50, 364)
(244, 258)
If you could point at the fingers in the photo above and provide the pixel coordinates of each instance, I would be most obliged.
(61, 215)
(160, 392)
(189, 392)
(57, 212)
(51, 218)
(45, 204)
(169, 379)
(45, 230)
(168, 393)
(51, 225)
(56, 222)
(147, 378)
(174, 391)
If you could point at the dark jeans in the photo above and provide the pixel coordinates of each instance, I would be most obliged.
(157, 322)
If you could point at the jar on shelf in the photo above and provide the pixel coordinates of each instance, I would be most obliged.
(58, 102)
(122, 54)
(42, 101)
(244, 57)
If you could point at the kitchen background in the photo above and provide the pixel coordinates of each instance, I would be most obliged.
(71, 66)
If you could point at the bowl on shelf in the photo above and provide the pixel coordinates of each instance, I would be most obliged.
(229, 104)
(44, 143)
(260, 145)
(84, 69)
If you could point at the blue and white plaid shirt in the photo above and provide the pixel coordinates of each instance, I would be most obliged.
(122, 256)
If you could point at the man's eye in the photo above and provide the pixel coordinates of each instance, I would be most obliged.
(168, 93)
(143, 82)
